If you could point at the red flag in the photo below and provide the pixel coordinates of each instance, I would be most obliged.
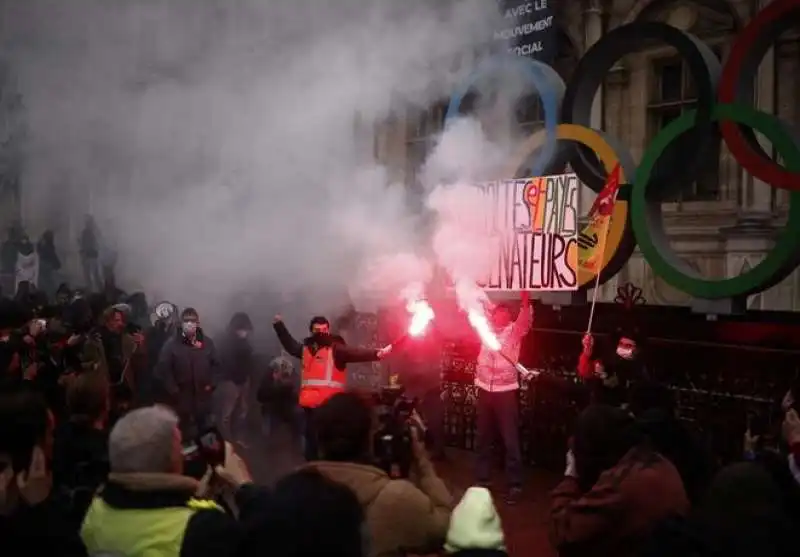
(604, 204)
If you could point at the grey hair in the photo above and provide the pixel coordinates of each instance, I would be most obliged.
(142, 441)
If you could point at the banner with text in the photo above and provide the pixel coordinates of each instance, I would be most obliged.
(528, 29)
(535, 222)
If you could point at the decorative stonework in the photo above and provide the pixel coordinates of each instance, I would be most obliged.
(629, 296)
(364, 333)
(717, 236)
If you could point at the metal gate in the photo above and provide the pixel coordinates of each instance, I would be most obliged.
(719, 388)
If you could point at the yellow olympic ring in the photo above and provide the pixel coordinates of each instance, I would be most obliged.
(620, 231)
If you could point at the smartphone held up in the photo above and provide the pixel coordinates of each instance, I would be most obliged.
(204, 451)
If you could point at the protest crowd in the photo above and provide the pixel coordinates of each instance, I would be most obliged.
(105, 400)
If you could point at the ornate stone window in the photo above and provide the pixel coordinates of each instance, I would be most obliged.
(672, 93)
(525, 116)
(423, 127)
(529, 115)
(672, 90)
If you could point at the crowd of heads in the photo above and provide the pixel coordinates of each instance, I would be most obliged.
(325, 508)
(746, 507)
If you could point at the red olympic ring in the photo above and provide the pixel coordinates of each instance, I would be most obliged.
(746, 53)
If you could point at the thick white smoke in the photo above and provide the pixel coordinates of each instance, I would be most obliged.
(463, 241)
(226, 145)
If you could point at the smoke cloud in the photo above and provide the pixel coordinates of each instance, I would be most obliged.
(463, 241)
(226, 145)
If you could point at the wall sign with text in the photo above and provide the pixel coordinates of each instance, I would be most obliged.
(528, 29)
(535, 222)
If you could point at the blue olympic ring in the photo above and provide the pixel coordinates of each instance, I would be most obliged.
(542, 77)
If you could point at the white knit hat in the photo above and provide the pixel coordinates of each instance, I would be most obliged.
(475, 523)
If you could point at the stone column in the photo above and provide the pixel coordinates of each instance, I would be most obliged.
(757, 198)
(390, 140)
(364, 136)
(751, 237)
(593, 31)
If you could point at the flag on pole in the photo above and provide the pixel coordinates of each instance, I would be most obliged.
(592, 240)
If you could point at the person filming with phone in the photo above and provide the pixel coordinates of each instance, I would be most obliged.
(402, 515)
(149, 506)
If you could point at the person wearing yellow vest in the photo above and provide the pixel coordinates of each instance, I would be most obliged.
(324, 358)
(148, 507)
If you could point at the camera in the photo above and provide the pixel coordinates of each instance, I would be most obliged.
(392, 444)
(205, 450)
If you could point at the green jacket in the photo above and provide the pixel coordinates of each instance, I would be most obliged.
(93, 357)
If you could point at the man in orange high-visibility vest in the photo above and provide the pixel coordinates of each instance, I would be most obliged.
(324, 358)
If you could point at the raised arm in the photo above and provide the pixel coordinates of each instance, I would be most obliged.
(525, 318)
(586, 366)
(292, 347)
(353, 355)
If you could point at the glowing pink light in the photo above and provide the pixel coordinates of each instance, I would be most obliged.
(481, 325)
(421, 316)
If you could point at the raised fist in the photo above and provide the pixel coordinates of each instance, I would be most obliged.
(588, 343)
(277, 318)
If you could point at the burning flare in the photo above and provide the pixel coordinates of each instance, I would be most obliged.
(420, 310)
(472, 299)
(484, 330)
(421, 316)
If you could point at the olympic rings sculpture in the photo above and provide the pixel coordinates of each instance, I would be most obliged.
(724, 96)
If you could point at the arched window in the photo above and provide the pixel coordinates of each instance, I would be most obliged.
(529, 108)
(529, 113)
(423, 126)
(672, 91)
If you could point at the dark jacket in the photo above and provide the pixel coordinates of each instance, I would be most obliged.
(621, 378)
(40, 530)
(80, 466)
(342, 354)
(88, 244)
(47, 252)
(188, 373)
(279, 389)
(237, 359)
(148, 386)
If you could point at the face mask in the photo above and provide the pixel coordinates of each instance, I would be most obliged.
(319, 337)
(242, 334)
(625, 352)
(189, 328)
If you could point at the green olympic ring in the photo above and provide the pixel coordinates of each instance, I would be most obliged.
(652, 239)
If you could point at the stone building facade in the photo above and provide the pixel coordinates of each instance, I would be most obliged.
(726, 221)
